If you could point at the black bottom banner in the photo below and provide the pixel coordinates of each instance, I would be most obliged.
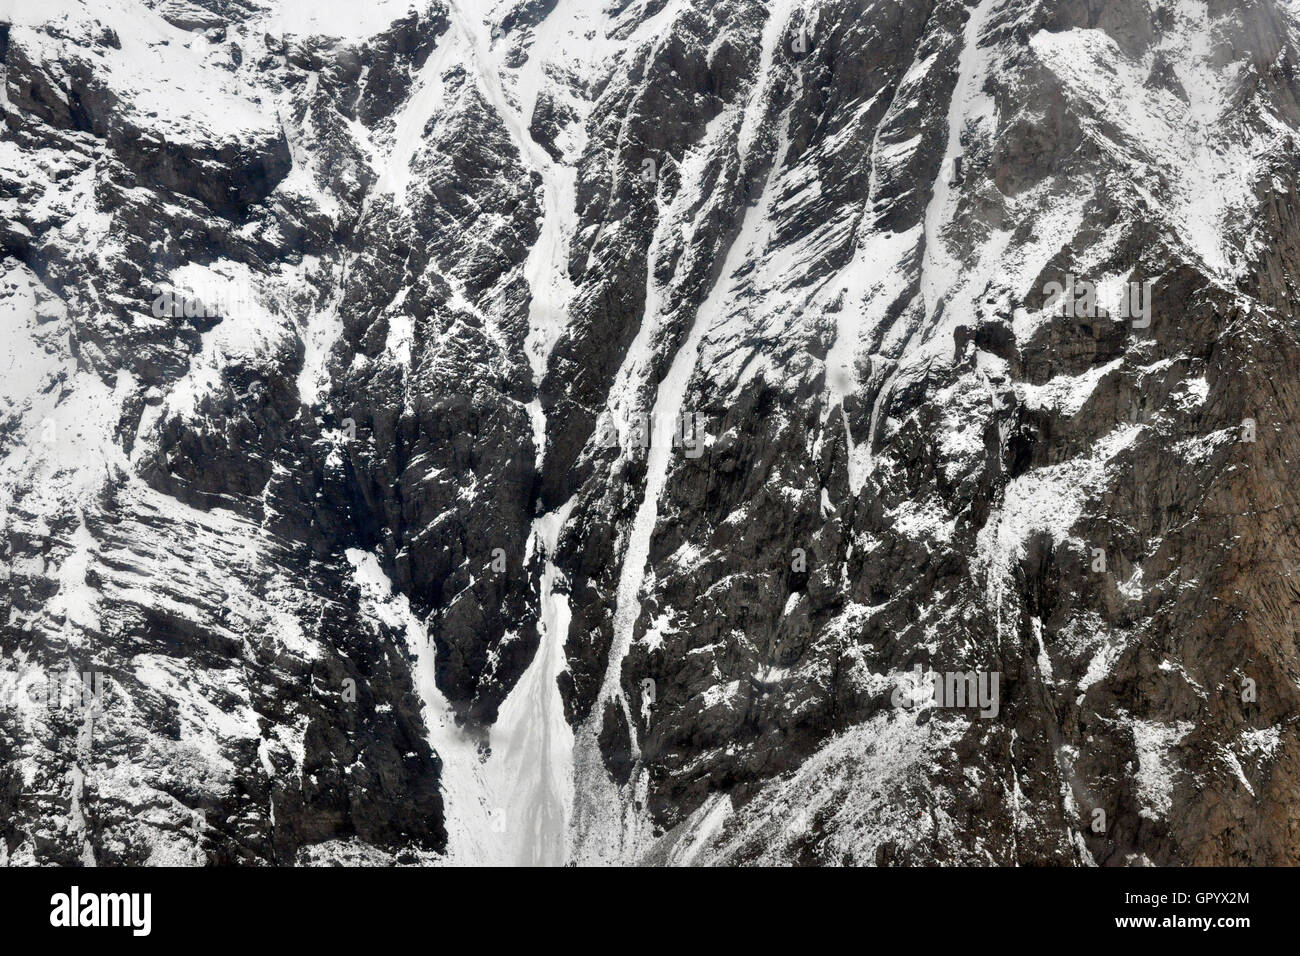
(342, 906)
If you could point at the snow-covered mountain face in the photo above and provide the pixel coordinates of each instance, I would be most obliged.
(562, 431)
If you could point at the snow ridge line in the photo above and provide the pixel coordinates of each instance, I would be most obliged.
(669, 399)
(604, 803)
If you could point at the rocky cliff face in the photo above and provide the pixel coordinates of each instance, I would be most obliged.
(586, 431)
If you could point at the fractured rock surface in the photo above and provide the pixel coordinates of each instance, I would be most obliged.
(558, 432)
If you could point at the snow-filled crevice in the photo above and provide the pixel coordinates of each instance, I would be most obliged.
(941, 270)
(513, 808)
(530, 771)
